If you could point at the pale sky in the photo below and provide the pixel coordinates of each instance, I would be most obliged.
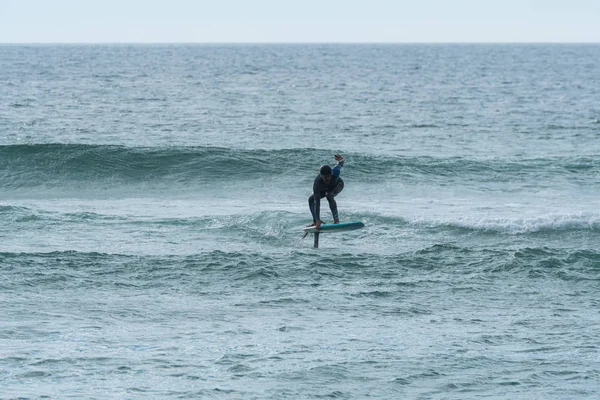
(298, 21)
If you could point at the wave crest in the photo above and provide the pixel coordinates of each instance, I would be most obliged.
(515, 226)
(34, 165)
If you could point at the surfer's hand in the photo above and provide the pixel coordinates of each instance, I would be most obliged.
(338, 157)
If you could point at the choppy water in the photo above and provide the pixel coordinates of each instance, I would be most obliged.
(151, 199)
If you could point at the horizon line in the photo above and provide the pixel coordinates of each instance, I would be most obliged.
(296, 43)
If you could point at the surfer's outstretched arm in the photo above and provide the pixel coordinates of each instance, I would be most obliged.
(335, 171)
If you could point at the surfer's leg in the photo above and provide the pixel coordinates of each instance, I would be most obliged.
(333, 206)
(311, 206)
(332, 203)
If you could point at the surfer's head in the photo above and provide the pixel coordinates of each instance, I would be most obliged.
(325, 173)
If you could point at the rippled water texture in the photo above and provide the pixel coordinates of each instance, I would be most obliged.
(151, 200)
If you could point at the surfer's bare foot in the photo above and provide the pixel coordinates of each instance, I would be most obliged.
(313, 224)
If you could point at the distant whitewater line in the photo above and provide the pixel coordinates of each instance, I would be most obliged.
(515, 226)
(277, 223)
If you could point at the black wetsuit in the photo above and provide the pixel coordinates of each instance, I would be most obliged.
(328, 190)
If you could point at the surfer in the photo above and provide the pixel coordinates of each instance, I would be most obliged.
(327, 184)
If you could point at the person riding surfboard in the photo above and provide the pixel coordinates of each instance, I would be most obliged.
(327, 184)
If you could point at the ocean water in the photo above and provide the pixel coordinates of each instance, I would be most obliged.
(151, 200)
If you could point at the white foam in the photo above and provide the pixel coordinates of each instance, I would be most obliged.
(551, 222)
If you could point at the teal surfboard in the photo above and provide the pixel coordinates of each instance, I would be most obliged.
(342, 227)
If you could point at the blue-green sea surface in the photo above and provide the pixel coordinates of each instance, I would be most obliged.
(152, 199)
